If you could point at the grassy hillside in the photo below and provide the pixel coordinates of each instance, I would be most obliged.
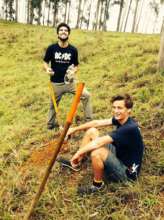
(110, 63)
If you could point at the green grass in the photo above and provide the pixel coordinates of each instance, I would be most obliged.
(110, 63)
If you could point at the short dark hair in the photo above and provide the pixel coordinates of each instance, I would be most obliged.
(127, 99)
(63, 25)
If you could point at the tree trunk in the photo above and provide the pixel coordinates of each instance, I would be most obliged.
(97, 14)
(69, 9)
(82, 17)
(106, 15)
(100, 14)
(161, 52)
(119, 16)
(65, 12)
(162, 27)
(48, 18)
(16, 11)
(135, 16)
(89, 14)
(55, 13)
(31, 11)
(79, 14)
(39, 12)
(136, 29)
(126, 21)
(10, 3)
(6, 10)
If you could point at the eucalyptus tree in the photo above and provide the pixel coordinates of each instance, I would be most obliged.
(121, 4)
(139, 18)
(55, 4)
(30, 11)
(135, 16)
(16, 10)
(100, 23)
(89, 13)
(9, 10)
(106, 14)
(127, 16)
(67, 4)
(48, 5)
(155, 7)
(37, 4)
(79, 14)
(161, 50)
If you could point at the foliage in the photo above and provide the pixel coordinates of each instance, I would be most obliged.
(113, 63)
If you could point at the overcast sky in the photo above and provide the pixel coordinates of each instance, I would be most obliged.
(147, 22)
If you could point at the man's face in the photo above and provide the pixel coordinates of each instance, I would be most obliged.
(63, 33)
(120, 111)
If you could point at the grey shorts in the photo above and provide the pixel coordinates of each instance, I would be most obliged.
(115, 170)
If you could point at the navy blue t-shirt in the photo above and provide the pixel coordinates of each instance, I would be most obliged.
(60, 59)
(129, 144)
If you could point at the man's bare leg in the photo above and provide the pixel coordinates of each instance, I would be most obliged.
(98, 157)
(89, 136)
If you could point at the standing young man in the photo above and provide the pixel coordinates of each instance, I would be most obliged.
(63, 60)
(116, 156)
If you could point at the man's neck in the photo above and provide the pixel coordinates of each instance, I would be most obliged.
(123, 121)
(63, 44)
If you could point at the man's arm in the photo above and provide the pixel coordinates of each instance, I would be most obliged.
(95, 144)
(91, 124)
(48, 69)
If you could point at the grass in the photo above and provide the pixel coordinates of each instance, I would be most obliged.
(113, 63)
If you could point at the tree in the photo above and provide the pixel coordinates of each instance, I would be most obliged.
(79, 14)
(161, 50)
(55, 11)
(127, 15)
(30, 12)
(89, 13)
(48, 2)
(9, 10)
(135, 16)
(121, 3)
(106, 14)
(101, 15)
(16, 10)
(155, 6)
(136, 28)
(97, 15)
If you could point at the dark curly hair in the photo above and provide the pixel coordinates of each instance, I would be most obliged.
(63, 25)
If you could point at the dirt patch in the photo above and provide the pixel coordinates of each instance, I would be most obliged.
(42, 156)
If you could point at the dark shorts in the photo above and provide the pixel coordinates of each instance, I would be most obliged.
(115, 170)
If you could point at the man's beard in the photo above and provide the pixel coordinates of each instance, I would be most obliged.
(63, 40)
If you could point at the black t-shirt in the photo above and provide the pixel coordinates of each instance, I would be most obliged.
(60, 59)
(129, 144)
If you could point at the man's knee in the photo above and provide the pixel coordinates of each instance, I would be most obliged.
(100, 153)
(86, 94)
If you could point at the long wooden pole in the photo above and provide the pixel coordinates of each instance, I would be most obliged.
(70, 116)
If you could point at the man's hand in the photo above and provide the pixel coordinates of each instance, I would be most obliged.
(76, 158)
(69, 133)
(50, 71)
(70, 74)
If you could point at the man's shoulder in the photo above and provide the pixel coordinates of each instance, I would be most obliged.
(53, 45)
(130, 126)
(72, 47)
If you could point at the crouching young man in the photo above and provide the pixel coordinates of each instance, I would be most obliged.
(117, 155)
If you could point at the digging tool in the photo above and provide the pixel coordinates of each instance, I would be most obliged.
(52, 94)
(69, 119)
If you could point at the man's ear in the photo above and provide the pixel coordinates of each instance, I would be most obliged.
(129, 110)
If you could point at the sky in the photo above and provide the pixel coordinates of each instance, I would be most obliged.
(147, 23)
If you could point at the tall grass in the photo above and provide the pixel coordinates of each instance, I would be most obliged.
(110, 63)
